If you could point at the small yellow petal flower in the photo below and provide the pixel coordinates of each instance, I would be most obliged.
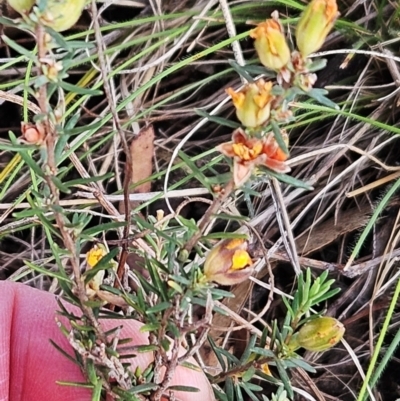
(253, 103)
(247, 153)
(92, 258)
(270, 43)
(240, 260)
(265, 369)
(228, 263)
(95, 255)
(315, 23)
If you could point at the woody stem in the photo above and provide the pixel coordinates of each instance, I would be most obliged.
(213, 209)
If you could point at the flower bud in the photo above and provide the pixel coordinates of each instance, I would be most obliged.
(62, 14)
(21, 6)
(228, 263)
(315, 23)
(33, 134)
(320, 334)
(59, 14)
(253, 103)
(270, 43)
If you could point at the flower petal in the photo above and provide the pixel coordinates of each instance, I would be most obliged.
(226, 149)
(275, 165)
(241, 172)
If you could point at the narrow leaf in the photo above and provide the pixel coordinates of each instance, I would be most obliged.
(241, 70)
(79, 90)
(217, 120)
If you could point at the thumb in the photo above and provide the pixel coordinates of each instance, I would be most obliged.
(31, 365)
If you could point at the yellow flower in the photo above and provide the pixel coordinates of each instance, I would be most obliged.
(95, 255)
(253, 103)
(92, 258)
(228, 263)
(315, 23)
(247, 153)
(270, 43)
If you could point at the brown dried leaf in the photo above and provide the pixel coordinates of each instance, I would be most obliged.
(142, 149)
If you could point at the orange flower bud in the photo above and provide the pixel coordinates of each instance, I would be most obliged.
(228, 263)
(271, 45)
(315, 23)
(253, 103)
(33, 134)
(318, 334)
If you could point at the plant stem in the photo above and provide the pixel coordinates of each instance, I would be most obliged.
(217, 203)
(50, 172)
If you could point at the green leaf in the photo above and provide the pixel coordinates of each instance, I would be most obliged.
(176, 287)
(78, 130)
(326, 296)
(241, 70)
(19, 49)
(246, 354)
(248, 375)
(156, 279)
(62, 187)
(158, 308)
(8, 22)
(218, 120)
(91, 372)
(60, 145)
(92, 231)
(149, 327)
(147, 348)
(259, 70)
(27, 158)
(217, 354)
(318, 64)
(249, 388)
(142, 388)
(284, 377)
(301, 364)
(287, 179)
(48, 273)
(79, 90)
(318, 95)
(229, 388)
(97, 389)
(16, 147)
(267, 353)
(288, 307)
(58, 38)
(278, 136)
(188, 389)
(238, 392)
(63, 352)
(85, 181)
